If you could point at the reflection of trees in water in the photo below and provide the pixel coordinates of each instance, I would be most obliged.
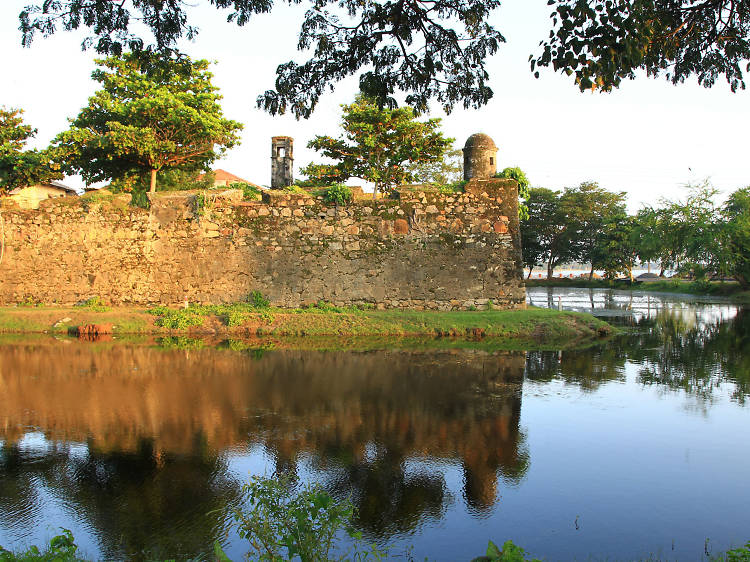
(588, 368)
(676, 349)
(698, 358)
(364, 419)
(141, 504)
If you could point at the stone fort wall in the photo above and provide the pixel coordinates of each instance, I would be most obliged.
(422, 249)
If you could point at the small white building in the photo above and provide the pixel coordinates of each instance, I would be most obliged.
(30, 196)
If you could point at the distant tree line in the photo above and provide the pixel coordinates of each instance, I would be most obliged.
(589, 224)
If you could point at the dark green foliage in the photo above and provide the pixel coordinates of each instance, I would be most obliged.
(523, 188)
(455, 187)
(547, 235)
(62, 548)
(180, 319)
(509, 553)
(283, 523)
(433, 51)
(738, 554)
(94, 304)
(140, 199)
(601, 42)
(337, 194)
(447, 170)
(594, 212)
(378, 145)
(737, 235)
(19, 167)
(152, 114)
(257, 299)
(175, 179)
(249, 192)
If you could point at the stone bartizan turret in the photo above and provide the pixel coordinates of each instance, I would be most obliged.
(480, 157)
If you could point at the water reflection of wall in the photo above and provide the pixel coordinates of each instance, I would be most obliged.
(361, 418)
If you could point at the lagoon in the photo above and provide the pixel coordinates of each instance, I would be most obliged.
(628, 448)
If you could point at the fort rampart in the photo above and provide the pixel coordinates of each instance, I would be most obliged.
(420, 249)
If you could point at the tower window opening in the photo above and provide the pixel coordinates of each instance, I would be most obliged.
(492, 160)
(281, 152)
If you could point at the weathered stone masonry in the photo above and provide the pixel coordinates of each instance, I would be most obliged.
(421, 250)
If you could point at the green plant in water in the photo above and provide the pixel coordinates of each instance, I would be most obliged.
(282, 523)
(741, 554)
(94, 304)
(509, 553)
(62, 548)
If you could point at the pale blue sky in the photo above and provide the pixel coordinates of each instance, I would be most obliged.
(648, 138)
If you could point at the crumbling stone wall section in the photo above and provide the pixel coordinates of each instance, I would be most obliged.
(422, 249)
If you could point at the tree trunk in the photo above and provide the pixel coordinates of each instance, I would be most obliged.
(153, 182)
(550, 269)
(529, 277)
(661, 272)
(591, 273)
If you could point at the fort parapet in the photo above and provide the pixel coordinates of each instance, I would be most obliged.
(420, 249)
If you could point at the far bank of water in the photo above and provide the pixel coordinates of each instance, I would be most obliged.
(631, 448)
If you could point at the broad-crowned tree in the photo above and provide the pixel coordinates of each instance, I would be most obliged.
(601, 42)
(588, 208)
(547, 235)
(618, 246)
(436, 49)
(433, 50)
(19, 167)
(379, 145)
(736, 213)
(152, 113)
(444, 171)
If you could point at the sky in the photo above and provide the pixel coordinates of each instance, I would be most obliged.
(648, 138)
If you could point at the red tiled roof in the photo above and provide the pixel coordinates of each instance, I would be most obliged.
(223, 175)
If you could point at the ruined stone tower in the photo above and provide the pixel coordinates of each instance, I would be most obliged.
(480, 157)
(282, 162)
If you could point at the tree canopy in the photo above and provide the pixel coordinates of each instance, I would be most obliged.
(434, 49)
(601, 42)
(19, 167)
(378, 145)
(148, 116)
(737, 235)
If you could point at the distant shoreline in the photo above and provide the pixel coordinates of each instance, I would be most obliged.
(729, 289)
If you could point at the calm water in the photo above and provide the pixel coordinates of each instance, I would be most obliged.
(635, 447)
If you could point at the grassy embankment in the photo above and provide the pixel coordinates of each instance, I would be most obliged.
(708, 288)
(525, 327)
